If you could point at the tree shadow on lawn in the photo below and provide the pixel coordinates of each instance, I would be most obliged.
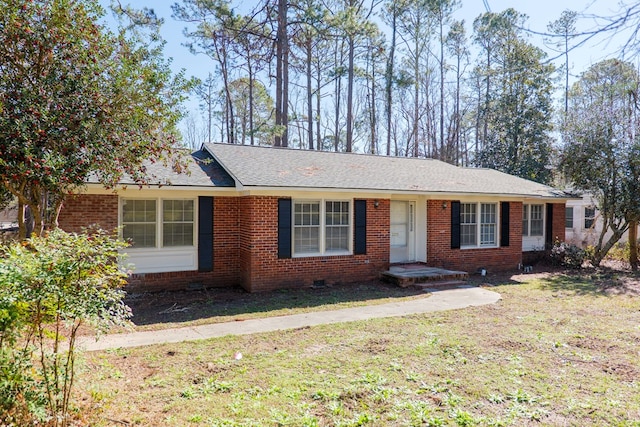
(235, 303)
(602, 281)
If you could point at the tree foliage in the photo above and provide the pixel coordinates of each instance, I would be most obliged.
(49, 287)
(602, 145)
(76, 99)
(517, 109)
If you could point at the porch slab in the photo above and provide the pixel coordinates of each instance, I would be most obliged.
(413, 274)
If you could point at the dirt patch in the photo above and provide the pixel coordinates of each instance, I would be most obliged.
(168, 309)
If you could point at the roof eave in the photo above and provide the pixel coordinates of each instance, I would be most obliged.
(249, 188)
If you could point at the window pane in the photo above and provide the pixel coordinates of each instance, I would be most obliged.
(589, 216)
(177, 234)
(568, 218)
(537, 221)
(337, 213)
(306, 240)
(468, 235)
(141, 235)
(468, 213)
(489, 221)
(177, 223)
(139, 222)
(337, 238)
(525, 220)
(468, 226)
(306, 229)
(307, 213)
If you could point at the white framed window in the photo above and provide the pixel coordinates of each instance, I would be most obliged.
(488, 224)
(568, 217)
(468, 224)
(532, 220)
(589, 217)
(321, 227)
(478, 230)
(158, 223)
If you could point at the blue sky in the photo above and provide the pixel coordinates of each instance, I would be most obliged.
(540, 13)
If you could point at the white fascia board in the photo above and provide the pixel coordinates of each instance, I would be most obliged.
(129, 189)
(390, 194)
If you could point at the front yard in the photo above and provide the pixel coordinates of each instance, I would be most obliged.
(559, 349)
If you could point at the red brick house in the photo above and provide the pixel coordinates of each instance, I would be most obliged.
(266, 218)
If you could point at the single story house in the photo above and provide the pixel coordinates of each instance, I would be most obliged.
(267, 218)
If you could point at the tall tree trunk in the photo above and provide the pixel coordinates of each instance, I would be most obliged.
(389, 76)
(350, 78)
(285, 85)
(22, 225)
(309, 94)
(282, 81)
(566, 73)
(318, 101)
(252, 130)
(277, 139)
(444, 155)
(633, 245)
(457, 113)
(485, 131)
(374, 118)
(416, 100)
(336, 137)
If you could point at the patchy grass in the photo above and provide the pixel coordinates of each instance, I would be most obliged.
(557, 350)
(175, 309)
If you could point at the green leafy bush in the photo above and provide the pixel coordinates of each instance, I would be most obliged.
(568, 255)
(49, 287)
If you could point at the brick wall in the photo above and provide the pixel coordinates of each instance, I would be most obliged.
(440, 254)
(246, 249)
(82, 210)
(558, 224)
(262, 270)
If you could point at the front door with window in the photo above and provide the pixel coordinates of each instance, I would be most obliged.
(402, 232)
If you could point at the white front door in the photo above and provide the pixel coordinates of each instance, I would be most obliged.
(402, 231)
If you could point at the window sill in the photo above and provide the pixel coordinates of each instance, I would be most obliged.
(322, 255)
(163, 249)
(479, 247)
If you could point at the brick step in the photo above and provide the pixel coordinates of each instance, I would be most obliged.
(404, 277)
(440, 284)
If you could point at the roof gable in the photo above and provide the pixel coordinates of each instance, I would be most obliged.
(202, 171)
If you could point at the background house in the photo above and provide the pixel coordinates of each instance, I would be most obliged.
(584, 223)
(267, 218)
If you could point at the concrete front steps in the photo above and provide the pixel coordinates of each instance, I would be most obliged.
(420, 275)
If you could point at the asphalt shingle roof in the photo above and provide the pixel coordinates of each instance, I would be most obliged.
(202, 171)
(254, 166)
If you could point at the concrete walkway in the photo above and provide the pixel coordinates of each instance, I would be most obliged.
(439, 300)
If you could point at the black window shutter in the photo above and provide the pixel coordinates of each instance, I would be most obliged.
(284, 228)
(548, 235)
(360, 227)
(504, 223)
(455, 225)
(205, 233)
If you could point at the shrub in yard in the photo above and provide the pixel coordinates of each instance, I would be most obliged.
(49, 287)
(568, 255)
(620, 252)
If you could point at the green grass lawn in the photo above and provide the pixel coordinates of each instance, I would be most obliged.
(560, 351)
